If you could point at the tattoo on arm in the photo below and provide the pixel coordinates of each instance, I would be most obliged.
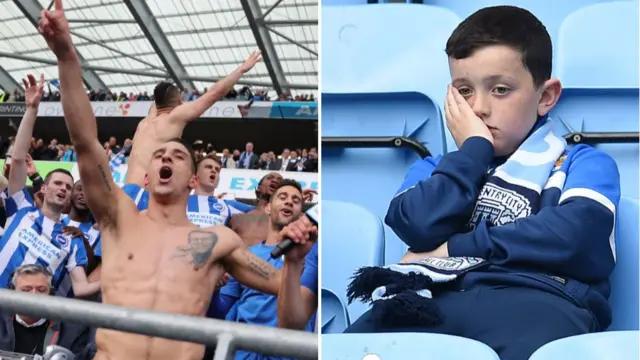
(257, 265)
(105, 177)
(199, 247)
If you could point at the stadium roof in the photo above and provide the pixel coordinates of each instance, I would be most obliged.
(130, 45)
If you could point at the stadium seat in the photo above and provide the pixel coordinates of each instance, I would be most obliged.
(611, 58)
(624, 281)
(403, 346)
(404, 55)
(352, 237)
(613, 345)
(335, 317)
(601, 79)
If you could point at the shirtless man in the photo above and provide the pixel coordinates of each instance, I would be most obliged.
(155, 260)
(168, 118)
(253, 226)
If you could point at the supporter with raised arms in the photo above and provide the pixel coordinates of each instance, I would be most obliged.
(167, 120)
(157, 259)
(35, 235)
(515, 229)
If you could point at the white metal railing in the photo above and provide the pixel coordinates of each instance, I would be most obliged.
(227, 336)
(8, 355)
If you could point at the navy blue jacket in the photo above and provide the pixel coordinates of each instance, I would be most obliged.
(567, 247)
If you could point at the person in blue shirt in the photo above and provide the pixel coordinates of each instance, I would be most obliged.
(548, 248)
(35, 235)
(238, 303)
(297, 304)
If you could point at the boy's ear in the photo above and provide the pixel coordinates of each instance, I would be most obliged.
(549, 96)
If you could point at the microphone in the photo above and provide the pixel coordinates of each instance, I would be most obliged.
(55, 352)
(288, 244)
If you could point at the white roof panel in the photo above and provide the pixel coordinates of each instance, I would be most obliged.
(209, 38)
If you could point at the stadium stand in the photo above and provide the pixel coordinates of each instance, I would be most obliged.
(390, 82)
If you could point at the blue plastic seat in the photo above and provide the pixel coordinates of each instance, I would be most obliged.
(597, 62)
(335, 317)
(624, 281)
(352, 237)
(387, 76)
(403, 346)
(598, 46)
(613, 345)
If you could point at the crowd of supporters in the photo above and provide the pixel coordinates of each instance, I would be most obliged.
(243, 94)
(305, 160)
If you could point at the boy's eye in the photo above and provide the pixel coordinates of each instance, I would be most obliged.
(464, 91)
(501, 90)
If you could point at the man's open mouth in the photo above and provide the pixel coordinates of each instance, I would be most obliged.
(286, 212)
(165, 172)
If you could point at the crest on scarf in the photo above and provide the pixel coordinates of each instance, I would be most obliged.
(499, 206)
(560, 161)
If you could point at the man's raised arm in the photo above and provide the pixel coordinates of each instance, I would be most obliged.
(192, 110)
(98, 183)
(18, 172)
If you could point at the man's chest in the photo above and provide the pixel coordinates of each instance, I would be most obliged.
(159, 250)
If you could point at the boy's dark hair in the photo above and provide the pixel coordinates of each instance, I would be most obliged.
(287, 182)
(192, 155)
(61, 171)
(510, 26)
(213, 157)
(165, 93)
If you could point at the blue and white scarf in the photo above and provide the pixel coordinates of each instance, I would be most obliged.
(401, 294)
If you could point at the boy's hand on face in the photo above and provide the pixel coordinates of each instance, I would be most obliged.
(462, 122)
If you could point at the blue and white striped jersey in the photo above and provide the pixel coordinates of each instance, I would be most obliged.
(206, 211)
(94, 239)
(32, 238)
(202, 210)
(92, 234)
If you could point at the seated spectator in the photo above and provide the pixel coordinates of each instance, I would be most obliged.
(248, 159)
(37, 150)
(195, 95)
(310, 163)
(283, 162)
(186, 95)
(30, 335)
(113, 145)
(69, 154)
(515, 228)
(268, 161)
(227, 160)
(294, 162)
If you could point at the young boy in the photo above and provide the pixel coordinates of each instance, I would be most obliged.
(548, 245)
